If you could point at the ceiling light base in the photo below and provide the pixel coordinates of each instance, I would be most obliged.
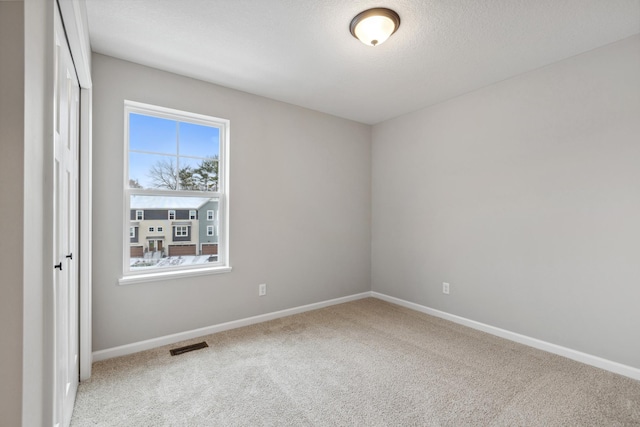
(374, 26)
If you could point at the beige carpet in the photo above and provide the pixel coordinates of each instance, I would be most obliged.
(363, 363)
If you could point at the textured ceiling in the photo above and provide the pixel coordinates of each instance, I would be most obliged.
(301, 51)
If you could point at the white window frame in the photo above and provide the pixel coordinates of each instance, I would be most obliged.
(132, 232)
(210, 230)
(193, 214)
(159, 229)
(210, 215)
(139, 215)
(181, 231)
(171, 215)
(222, 265)
(151, 229)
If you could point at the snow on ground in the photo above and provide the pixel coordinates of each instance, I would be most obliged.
(174, 261)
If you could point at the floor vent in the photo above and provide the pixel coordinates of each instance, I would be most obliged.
(187, 348)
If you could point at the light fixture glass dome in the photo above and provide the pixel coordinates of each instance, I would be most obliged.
(374, 26)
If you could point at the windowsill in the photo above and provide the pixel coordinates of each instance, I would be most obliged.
(174, 274)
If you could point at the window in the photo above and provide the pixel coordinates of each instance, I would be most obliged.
(151, 229)
(177, 166)
(181, 231)
(209, 230)
(132, 232)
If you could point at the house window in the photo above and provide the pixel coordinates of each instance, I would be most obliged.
(151, 229)
(176, 165)
(210, 215)
(132, 232)
(209, 230)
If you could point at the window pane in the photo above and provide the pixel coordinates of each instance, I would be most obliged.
(152, 171)
(167, 150)
(157, 171)
(180, 241)
(153, 134)
(198, 174)
(199, 141)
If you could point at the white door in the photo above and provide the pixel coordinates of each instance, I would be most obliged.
(65, 221)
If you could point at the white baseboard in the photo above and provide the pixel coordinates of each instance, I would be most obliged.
(578, 356)
(598, 362)
(124, 350)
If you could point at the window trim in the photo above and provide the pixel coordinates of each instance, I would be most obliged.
(210, 230)
(139, 215)
(172, 274)
(222, 195)
(171, 215)
(183, 229)
(193, 214)
(211, 215)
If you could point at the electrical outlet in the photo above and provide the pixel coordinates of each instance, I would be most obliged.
(262, 289)
(445, 288)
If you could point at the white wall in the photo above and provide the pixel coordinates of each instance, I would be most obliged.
(300, 208)
(525, 197)
(11, 212)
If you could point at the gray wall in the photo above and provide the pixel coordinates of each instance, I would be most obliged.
(11, 208)
(300, 208)
(38, 357)
(525, 197)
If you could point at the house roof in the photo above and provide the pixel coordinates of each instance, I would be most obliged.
(167, 202)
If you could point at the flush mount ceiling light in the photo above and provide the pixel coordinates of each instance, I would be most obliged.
(372, 27)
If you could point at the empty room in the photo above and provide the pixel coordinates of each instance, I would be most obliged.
(320, 213)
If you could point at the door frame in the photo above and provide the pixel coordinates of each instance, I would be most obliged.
(66, 226)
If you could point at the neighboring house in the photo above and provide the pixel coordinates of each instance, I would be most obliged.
(208, 216)
(171, 226)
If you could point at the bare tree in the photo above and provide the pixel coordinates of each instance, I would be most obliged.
(133, 183)
(164, 174)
